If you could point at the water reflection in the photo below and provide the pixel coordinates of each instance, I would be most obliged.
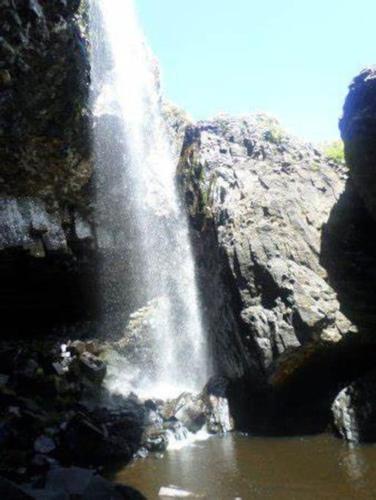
(355, 465)
(237, 466)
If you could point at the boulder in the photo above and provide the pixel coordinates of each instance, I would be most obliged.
(92, 367)
(102, 435)
(219, 420)
(354, 410)
(193, 412)
(155, 440)
(188, 409)
(44, 444)
(78, 347)
(85, 484)
(11, 491)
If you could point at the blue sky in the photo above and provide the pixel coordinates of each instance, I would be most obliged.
(293, 59)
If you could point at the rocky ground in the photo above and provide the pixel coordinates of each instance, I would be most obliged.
(58, 420)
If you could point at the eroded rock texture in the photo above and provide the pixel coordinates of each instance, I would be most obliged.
(46, 237)
(44, 76)
(258, 200)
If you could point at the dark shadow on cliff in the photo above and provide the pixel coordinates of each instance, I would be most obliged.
(39, 295)
(301, 405)
(348, 253)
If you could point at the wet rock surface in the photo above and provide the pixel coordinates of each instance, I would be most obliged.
(56, 214)
(56, 412)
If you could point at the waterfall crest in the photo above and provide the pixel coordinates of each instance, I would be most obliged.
(154, 222)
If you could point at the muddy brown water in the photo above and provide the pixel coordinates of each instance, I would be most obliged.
(241, 467)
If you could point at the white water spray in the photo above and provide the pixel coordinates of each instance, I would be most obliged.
(125, 71)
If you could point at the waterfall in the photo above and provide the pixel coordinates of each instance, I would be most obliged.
(152, 221)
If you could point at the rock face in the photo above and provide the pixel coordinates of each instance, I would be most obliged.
(358, 129)
(44, 77)
(46, 236)
(354, 410)
(258, 201)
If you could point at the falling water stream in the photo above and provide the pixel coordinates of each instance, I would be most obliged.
(125, 72)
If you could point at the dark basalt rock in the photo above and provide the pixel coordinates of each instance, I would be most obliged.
(354, 410)
(285, 265)
(9, 490)
(44, 68)
(349, 254)
(46, 236)
(194, 411)
(50, 417)
(257, 199)
(85, 484)
(103, 437)
(57, 237)
(92, 367)
(358, 129)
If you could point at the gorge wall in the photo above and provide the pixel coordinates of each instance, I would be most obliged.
(258, 201)
(281, 234)
(45, 235)
(286, 261)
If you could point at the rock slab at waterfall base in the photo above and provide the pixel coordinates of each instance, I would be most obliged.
(70, 422)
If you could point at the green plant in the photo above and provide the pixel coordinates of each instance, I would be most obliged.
(335, 151)
(274, 135)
